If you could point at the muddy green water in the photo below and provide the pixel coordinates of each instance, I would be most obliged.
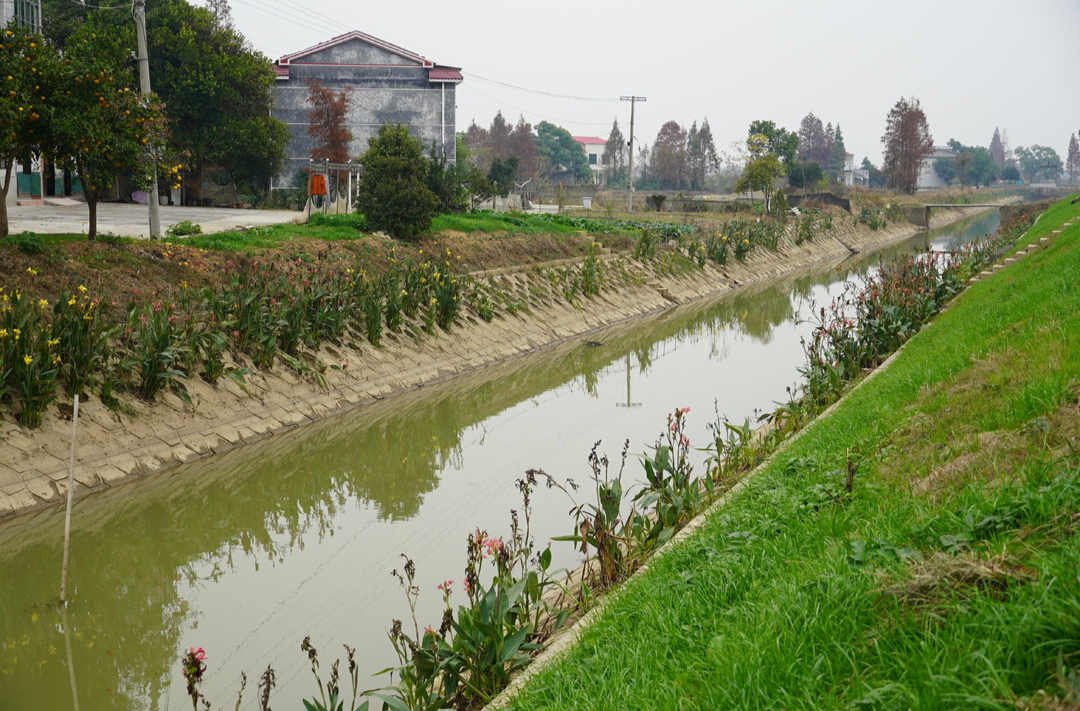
(247, 553)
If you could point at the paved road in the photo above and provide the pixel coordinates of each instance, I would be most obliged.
(134, 221)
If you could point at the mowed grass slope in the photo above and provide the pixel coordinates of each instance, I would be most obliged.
(948, 577)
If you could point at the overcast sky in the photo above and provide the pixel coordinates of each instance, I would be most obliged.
(974, 64)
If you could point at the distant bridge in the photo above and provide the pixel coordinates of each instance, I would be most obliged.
(955, 204)
(920, 214)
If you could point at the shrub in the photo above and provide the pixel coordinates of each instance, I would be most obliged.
(393, 194)
(183, 228)
(27, 242)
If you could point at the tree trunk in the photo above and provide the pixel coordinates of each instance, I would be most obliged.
(91, 204)
(3, 198)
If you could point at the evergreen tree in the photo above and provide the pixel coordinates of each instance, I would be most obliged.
(997, 150)
(1072, 160)
(393, 192)
(558, 152)
(503, 174)
(614, 158)
(837, 157)
(701, 156)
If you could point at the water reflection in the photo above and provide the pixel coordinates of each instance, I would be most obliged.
(247, 553)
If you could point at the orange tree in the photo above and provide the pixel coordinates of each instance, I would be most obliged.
(101, 126)
(27, 69)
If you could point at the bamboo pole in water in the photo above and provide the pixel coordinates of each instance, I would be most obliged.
(70, 660)
(70, 491)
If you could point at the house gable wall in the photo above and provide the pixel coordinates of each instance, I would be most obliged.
(383, 87)
(354, 52)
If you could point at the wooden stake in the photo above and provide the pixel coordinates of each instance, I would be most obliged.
(70, 492)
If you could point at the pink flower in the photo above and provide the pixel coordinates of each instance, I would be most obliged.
(428, 630)
(493, 545)
(445, 585)
(199, 653)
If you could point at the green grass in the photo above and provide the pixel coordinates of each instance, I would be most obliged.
(351, 227)
(800, 595)
(271, 236)
(498, 222)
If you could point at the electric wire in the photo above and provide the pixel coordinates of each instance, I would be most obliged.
(103, 7)
(533, 113)
(295, 19)
(326, 23)
(471, 75)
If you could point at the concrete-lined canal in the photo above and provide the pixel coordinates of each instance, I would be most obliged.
(247, 553)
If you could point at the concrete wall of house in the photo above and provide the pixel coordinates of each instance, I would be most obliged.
(383, 88)
(928, 177)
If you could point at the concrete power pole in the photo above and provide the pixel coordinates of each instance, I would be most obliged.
(139, 10)
(630, 177)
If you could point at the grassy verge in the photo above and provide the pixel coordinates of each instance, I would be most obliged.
(946, 577)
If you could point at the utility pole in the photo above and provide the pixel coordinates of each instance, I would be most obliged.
(139, 12)
(630, 177)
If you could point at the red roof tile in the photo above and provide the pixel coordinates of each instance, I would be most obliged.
(446, 74)
(590, 140)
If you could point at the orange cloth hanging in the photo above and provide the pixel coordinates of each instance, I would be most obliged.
(317, 185)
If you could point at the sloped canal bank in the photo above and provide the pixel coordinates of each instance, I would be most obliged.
(247, 553)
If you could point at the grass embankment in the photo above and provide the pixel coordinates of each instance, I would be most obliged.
(947, 577)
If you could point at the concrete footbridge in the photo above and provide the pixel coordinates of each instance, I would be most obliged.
(951, 204)
(920, 214)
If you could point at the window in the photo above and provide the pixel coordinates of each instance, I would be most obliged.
(592, 159)
(27, 14)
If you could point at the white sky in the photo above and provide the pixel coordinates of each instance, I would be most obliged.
(974, 64)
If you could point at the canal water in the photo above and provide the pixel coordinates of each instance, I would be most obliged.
(247, 553)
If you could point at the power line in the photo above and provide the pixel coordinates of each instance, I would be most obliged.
(470, 75)
(295, 19)
(102, 7)
(536, 113)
